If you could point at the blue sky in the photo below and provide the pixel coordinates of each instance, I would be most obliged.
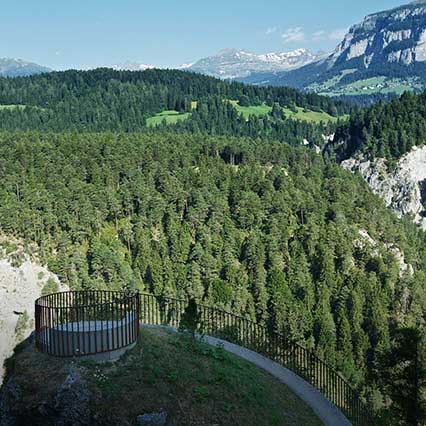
(85, 33)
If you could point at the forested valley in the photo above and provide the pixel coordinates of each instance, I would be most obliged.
(266, 230)
(240, 212)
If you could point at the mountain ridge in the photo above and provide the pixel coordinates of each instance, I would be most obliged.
(384, 54)
(234, 63)
(14, 67)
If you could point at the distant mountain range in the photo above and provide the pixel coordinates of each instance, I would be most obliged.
(236, 64)
(19, 68)
(131, 66)
(384, 54)
(381, 56)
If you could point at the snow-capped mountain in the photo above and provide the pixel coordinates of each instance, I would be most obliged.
(131, 66)
(19, 68)
(235, 63)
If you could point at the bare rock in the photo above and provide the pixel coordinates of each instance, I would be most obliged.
(403, 189)
(72, 402)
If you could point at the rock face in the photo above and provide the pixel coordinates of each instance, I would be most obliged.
(22, 279)
(62, 400)
(403, 189)
(394, 36)
(233, 63)
(386, 53)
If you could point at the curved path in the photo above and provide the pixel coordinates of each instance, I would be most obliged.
(323, 408)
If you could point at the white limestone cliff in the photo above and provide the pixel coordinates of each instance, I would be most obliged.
(22, 279)
(403, 188)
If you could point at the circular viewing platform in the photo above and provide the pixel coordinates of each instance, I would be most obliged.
(87, 323)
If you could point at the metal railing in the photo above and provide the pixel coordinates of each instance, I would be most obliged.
(86, 322)
(236, 329)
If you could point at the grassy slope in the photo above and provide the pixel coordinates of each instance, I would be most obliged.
(301, 114)
(195, 383)
(170, 117)
(367, 86)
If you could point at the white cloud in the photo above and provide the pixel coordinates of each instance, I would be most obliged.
(293, 34)
(319, 35)
(271, 30)
(334, 35)
(338, 34)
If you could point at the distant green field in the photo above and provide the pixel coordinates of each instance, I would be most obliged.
(301, 114)
(369, 86)
(170, 117)
(251, 110)
(312, 116)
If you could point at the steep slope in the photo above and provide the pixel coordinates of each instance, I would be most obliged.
(385, 144)
(19, 68)
(22, 280)
(385, 54)
(235, 64)
(403, 188)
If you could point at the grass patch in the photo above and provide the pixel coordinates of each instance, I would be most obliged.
(301, 114)
(168, 117)
(311, 116)
(257, 110)
(195, 383)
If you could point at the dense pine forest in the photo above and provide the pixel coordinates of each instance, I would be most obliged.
(107, 100)
(235, 210)
(384, 130)
(256, 227)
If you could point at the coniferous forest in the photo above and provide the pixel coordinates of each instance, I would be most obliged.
(235, 212)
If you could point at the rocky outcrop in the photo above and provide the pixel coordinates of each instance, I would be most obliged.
(365, 240)
(384, 53)
(404, 188)
(63, 401)
(22, 279)
(394, 36)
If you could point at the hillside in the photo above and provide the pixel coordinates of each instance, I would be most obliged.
(385, 144)
(107, 100)
(193, 383)
(383, 55)
(257, 227)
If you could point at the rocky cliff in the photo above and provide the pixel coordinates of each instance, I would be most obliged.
(403, 188)
(394, 36)
(384, 54)
(22, 280)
